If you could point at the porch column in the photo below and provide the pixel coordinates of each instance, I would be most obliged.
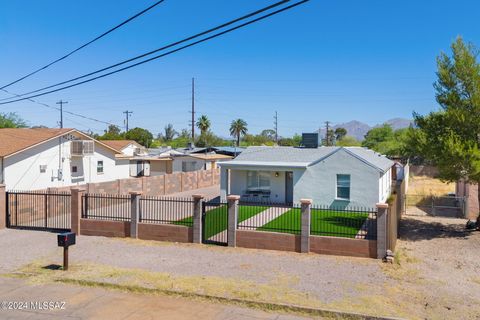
(232, 220)
(382, 233)
(3, 207)
(135, 211)
(305, 227)
(224, 183)
(76, 208)
(197, 218)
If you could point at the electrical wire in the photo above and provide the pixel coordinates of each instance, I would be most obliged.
(65, 111)
(158, 49)
(84, 45)
(161, 55)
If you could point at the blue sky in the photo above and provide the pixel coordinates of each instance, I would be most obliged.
(326, 60)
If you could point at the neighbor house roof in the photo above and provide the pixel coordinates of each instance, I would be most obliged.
(304, 157)
(119, 145)
(210, 156)
(14, 140)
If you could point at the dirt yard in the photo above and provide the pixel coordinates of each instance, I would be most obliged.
(435, 275)
(424, 185)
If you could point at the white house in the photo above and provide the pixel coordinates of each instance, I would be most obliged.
(126, 147)
(340, 177)
(32, 159)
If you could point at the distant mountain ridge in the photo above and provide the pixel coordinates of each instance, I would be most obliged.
(359, 129)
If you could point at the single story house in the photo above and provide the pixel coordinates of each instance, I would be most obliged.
(126, 147)
(159, 161)
(32, 159)
(340, 177)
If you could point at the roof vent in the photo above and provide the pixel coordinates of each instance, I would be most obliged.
(310, 140)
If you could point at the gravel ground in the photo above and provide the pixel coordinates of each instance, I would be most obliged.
(19, 247)
(435, 275)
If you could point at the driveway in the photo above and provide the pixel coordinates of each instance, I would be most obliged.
(208, 193)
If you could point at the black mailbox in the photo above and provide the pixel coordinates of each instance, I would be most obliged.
(66, 239)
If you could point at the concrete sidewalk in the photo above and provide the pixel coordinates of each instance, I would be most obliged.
(96, 303)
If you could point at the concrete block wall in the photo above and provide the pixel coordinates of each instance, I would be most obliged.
(154, 185)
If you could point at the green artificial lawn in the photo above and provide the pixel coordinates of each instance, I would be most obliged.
(216, 219)
(323, 223)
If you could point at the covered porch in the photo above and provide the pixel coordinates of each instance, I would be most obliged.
(265, 185)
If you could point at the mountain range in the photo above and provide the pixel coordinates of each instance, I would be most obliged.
(359, 129)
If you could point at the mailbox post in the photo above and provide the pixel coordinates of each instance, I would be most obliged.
(65, 240)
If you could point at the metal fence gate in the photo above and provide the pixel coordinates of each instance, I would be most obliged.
(442, 206)
(215, 223)
(38, 210)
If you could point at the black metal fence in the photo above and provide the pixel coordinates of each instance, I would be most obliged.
(359, 223)
(106, 207)
(354, 222)
(39, 210)
(166, 210)
(215, 222)
(273, 217)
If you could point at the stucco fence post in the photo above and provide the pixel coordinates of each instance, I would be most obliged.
(197, 218)
(232, 204)
(3, 207)
(382, 230)
(135, 213)
(76, 208)
(305, 225)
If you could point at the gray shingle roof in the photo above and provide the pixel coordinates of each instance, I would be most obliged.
(305, 156)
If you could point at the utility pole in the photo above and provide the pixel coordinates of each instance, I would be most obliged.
(61, 103)
(275, 124)
(127, 115)
(327, 134)
(193, 110)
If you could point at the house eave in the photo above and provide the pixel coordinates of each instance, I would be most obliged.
(263, 165)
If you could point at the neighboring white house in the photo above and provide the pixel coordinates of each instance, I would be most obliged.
(338, 177)
(126, 147)
(32, 159)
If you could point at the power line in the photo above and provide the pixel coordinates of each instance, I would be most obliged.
(164, 54)
(84, 45)
(159, 49)
(69, 112)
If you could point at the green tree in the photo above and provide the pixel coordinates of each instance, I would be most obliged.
(203, 123)
(208, 139)
(348, 141)
(450, 138)
(378, 135)
(112, 133)
(238, 128)
(269, 134)
(169, 133)
(340, 133)
(140, 135)
(11, 120)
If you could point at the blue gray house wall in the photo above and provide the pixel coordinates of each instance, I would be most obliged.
(318, 181)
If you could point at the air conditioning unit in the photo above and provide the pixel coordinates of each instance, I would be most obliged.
(82, 148)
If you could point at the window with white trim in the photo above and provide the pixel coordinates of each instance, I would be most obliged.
(99, 166)
(258, 181)
(343, 186)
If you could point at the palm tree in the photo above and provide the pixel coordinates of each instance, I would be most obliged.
(203, 124)
(238, 128)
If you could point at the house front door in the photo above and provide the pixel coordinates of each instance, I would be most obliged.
(289, 187)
